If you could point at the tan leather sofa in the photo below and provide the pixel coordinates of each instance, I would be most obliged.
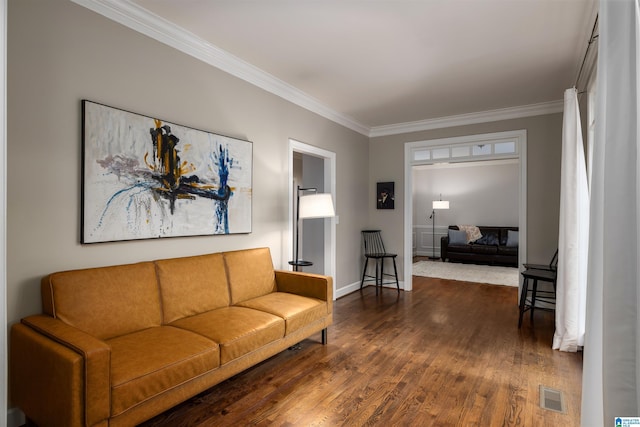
(118, 345)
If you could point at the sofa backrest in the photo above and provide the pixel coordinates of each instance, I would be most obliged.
(107, 302)
(250, 273)
(192, 285)
(501, 232)
(104, 302)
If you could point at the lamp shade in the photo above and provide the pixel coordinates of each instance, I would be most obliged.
(440, 204)
(316, 206)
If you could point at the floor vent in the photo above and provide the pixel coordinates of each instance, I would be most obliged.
(551, 399)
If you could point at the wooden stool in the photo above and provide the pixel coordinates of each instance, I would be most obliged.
(374, 249)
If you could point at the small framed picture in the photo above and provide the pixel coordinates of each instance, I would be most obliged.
(385, 196)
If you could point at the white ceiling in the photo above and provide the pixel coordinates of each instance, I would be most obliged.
(387, 62)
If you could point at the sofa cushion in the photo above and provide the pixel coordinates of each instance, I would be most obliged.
(484, 249)
(459, 248)
(457, 237)
(150, 362)
(192, 285)
(490, 238)
(238, 330)
(473, 232)
(512, 238)
(508, 250)
(98, 301)
(250, 273)
(297, 311)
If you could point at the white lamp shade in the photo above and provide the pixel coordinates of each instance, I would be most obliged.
(440, 204)
(316, 206)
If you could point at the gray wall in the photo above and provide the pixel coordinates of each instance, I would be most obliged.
(544, 146)
(478, 193)
(60, 53)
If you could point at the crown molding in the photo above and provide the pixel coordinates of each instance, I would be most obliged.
(141, 20)
(470, 118)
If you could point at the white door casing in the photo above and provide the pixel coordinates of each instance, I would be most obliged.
(410, 148)
(329, 187)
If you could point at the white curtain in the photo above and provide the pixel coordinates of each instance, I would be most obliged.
(611, 371)
(573, 239)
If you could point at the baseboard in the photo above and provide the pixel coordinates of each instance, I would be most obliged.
(428, 253)
(15, 418)
(347, 289)
(353, 287)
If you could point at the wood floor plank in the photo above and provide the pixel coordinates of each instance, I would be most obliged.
(448, 353)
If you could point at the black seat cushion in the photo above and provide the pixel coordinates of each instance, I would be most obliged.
(508, 250)
(484, 249)
(460, 248)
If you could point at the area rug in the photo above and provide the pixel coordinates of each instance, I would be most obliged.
(508, 276)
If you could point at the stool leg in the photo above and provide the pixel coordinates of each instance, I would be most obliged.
(533, 297)
(364, 272)
(377, 277)
(523, 299)
(395, 270)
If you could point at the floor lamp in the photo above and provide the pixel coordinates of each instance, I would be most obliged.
(318, 205)
(436, 204)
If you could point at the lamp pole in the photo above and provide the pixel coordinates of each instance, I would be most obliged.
(436, 204)
(297, 260)
(433, 232)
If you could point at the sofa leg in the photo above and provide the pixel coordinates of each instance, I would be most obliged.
(324, 336)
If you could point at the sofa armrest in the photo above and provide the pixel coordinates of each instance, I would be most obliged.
(59, 374)
(306, 284)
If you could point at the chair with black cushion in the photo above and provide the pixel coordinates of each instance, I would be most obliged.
(374, 249)
(529, 297)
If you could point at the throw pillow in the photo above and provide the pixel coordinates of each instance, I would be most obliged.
(457, 237)
(512, 238)
(488, 239)
(473, 232)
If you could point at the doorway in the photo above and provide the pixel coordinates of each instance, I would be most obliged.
(484, 192)
(311, 166)
(471, 148)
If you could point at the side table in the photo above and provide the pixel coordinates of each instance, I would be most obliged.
(299, 264)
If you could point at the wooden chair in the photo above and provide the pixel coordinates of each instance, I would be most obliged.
(538, 273)
(552, 266)
(374, 249)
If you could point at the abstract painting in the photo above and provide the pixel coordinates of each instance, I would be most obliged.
(146, 178)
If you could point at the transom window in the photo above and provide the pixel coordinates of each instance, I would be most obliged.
(465, 152)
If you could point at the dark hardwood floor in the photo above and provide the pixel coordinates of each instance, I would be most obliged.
(448, 353)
